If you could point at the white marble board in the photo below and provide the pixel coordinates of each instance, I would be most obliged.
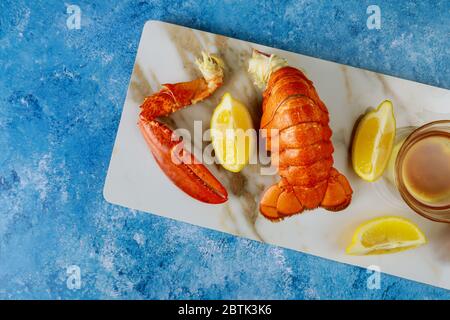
(166, 54)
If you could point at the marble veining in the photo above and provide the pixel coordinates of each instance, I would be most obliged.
(348, 92)
(61, 98)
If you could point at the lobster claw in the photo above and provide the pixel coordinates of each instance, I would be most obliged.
(181, 166)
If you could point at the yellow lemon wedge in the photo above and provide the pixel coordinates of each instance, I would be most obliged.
(373, 142)
(385, 235)
(232, 133)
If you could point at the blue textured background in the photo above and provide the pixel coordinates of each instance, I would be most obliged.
(61, 95)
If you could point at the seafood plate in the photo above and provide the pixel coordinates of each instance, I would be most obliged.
(278, 204)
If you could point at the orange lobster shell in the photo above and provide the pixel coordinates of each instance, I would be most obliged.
(304, 152)
(178, 164)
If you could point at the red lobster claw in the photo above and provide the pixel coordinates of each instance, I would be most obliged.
(179, 165)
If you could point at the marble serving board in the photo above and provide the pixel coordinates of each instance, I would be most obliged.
(166, 54)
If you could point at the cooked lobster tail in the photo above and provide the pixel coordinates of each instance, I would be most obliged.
(304, 151)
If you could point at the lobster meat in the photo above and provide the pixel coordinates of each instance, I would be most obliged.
(298, 136)
(178, 164)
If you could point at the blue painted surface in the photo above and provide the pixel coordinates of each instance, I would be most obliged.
(61, 95)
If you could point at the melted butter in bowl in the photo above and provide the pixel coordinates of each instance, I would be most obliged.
(426, 170)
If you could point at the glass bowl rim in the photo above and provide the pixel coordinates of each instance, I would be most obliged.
(423, 209)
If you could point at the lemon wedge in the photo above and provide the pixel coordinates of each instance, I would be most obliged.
(373, 142)
(385, 235)
(232, 133)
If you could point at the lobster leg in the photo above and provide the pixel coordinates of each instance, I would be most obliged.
(179, 165)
